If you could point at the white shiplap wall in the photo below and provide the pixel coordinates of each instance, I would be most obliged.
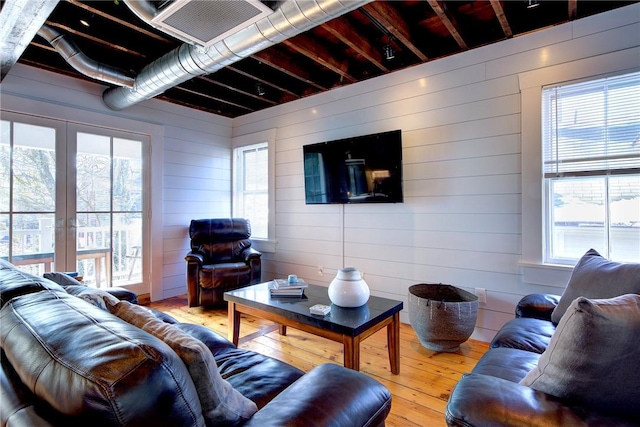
(190, 158)
(461, 126)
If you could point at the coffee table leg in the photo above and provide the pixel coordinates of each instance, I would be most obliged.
(234, 323)
(393, 342)
(351, 352)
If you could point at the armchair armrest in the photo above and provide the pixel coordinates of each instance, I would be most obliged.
(328, 395)
(537, 306)
(194, 257)
(250, 253)
(482, 400)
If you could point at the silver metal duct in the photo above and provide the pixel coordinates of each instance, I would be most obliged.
(81, 62)
(187, 61)
(20, 22)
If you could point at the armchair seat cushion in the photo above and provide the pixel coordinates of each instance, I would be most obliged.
(227, 275)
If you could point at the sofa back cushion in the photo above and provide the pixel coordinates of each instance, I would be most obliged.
(87, 367)
(14, 282)
(593, 359)
(596, 277)
(222, 405)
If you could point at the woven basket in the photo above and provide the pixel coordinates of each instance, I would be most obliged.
(443, 316)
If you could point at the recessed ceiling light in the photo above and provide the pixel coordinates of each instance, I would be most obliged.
(85, 23)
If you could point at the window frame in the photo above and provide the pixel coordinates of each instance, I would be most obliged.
(267, 137)
(553, 169)
(534, 270)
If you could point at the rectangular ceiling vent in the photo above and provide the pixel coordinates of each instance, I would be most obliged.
(207, 21)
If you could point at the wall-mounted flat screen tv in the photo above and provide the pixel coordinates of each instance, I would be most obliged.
(362, 169)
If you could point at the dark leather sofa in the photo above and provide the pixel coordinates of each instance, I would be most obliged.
(221, 259)
(491, 394)
(67, 362)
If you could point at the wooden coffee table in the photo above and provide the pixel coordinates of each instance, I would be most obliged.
(346, 325)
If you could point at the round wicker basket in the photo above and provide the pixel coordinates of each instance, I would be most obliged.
(443, 316)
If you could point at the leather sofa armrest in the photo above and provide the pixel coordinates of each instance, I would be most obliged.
(537, 306)
(194, 257)
(328, 395)
(250, 253)
(482, 400)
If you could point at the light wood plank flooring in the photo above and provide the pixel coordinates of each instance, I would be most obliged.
(420, 392)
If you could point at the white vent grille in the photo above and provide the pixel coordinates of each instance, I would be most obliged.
(207, 21)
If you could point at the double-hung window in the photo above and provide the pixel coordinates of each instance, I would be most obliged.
(591, 156)
(251, 196)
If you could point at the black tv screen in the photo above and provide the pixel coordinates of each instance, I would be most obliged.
(362, 169)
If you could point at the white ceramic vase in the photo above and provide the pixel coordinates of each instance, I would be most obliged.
(348, 288)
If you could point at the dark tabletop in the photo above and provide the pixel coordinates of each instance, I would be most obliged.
(348, 321)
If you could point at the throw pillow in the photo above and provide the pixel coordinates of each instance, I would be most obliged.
(62, 279)
(221, 403)
(98, 297)
(597, 277)
(593, 358)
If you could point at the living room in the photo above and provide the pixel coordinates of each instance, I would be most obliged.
(470, 123)
(470, 127)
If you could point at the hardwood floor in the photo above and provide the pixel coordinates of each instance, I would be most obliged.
(420, 392)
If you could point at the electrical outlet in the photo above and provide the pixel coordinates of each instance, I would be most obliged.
(481, 293)
(320, 270)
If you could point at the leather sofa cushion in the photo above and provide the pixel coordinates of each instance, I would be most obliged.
(87, 367)
(221, 403)
(14, 282)
(593, 359)
(258, 377)
(524, 334)
(507, 363)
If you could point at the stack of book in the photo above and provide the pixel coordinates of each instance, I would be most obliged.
(284, 288)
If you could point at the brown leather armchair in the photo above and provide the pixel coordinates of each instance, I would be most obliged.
(221, 259)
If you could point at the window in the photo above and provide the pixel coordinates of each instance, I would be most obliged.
(251, 195)
(591, 166)
(254, 185)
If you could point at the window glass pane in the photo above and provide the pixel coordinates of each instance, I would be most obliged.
(251, 196)
(94, 248)
(625, 217)
(34, 168)
(127, 248)
(33, 242)
(4, 236)
(255, 170)
(577, 217)
(255, 209)
(93, 164)
(5, 165)
(127, 175)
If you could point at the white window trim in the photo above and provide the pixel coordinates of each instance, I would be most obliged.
(268, 136)
(534, 270)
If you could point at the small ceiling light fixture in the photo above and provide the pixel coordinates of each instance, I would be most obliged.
(85, 23)
(259, 89)
(388, 51)
(532, 3)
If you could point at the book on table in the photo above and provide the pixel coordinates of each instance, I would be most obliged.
(280, 287)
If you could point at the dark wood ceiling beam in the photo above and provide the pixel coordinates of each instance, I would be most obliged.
(306, 46)
(96, 40)
(283, 63)
(573, 10)
(120, 21)
(385, 15)
(220, 100)
(263, 81)
(449, 21)
(237, 90)
(498, 8)
(341, 29)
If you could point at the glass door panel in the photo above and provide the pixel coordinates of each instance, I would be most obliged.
(109, 209)
(28, 195)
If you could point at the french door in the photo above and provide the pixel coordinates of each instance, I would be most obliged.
(72, 199)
